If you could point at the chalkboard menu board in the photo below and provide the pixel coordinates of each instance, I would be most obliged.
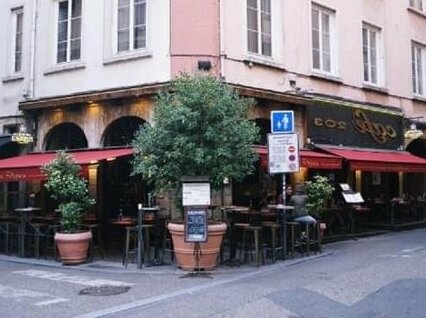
(195, 224)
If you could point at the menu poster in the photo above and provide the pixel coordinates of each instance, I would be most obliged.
(196, 224)
(345, 187)
(355, 197)
(196, 193)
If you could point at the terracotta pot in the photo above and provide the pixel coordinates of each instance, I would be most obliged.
(73, 247)
(322, 228)
(184, 252)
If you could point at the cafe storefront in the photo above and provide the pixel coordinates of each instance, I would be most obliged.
(370, 142)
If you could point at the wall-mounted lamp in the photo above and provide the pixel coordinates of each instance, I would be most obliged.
(413, 132)
(204, 65)
(22, 137)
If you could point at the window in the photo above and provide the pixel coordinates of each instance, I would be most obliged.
(418, 68)
(69, 31)
(322, 39)
(259, 31)
(370, 53)
(417, 4)
(131, 25)
(18, 17)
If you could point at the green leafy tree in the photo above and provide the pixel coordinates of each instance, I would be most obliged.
(319, 191)
(200, 128)
(65, 185)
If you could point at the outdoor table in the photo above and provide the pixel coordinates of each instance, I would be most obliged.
(282, 211)
(23, 219)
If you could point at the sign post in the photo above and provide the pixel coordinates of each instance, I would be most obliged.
(283, 150)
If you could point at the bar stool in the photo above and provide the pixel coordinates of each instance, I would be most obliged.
(294, 237)
(96, 241)
(9, 229)
(250, 242)
(273, 232)
(310, 236)
(132, 242)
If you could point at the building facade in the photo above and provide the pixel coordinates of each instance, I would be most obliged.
(82, 74)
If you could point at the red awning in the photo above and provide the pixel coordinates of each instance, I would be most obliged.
(27, 167)
(380, 160)
(308, 159)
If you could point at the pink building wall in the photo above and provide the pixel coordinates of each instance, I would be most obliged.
(194, 35)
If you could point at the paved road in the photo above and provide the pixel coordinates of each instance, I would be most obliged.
(383, 276)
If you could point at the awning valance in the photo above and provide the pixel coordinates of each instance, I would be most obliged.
(27, 167)
(308, 159)
(379, 160)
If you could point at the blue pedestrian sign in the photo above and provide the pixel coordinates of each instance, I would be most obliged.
(282, 121)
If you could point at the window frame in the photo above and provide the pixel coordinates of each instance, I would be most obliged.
(260, 30)
(69, 31)
(418, 5)
(131, 27)
(332, 40)
(14, 35)
(378, 49)
(419, 89)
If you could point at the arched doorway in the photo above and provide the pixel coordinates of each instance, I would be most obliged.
(65, 136)
(121, 131)
(122, 191)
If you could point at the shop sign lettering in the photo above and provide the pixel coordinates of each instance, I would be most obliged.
(379, 132)
(10, 175)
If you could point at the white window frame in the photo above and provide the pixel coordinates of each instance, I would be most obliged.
(418, 5)
(371, 29)
(13, 67)
(418, 68)
(332, 38)
(69, 21)
(131, 29)
(260, 32)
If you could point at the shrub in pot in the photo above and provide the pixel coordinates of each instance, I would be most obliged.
(319, 191)
(200, 128)
(70, 190)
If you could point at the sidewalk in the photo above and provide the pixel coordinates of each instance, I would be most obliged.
(104, 266)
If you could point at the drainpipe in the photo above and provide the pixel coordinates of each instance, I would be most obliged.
(33, 49)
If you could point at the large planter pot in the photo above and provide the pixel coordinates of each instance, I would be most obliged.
(210, 250)
(73, 247)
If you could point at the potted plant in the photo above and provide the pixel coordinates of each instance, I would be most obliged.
(200, 128)
(319, 191)
(69, 189)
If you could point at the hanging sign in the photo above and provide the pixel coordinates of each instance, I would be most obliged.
(283, 153)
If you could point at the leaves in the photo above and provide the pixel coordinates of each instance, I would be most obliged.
(65, 186)
(319, 192)
(200, 128)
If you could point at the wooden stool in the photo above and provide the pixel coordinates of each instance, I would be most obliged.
(132, 242)
(310, 236)
(96, 241)
(294, 233)
(274, 230)
(248, 243)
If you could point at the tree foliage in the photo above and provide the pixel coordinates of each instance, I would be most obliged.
(200, 128)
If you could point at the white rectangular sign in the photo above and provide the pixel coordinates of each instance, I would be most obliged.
(196, 194)
(283, 153)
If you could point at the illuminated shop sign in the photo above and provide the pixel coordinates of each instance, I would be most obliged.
(351, 126)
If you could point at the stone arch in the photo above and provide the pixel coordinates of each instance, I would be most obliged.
(417, 147)
(121, 131)
(65, 136)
